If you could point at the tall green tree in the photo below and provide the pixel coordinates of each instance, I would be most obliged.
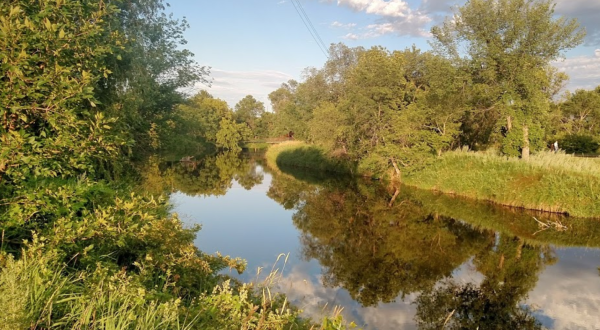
(248, 111)
(507, 47)
(151, 70)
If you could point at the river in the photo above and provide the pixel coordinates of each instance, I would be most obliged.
(392, 257)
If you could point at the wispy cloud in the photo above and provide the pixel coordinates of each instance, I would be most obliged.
(282, 2)
(584, 71)
(351, 36)
(232, 86)
(337, 24)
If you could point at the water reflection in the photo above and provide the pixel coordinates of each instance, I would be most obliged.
(401, 257)
(377, 249)
(209, 175)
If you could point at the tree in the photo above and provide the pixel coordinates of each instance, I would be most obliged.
(248, 110)
(582, 112)
(230, 134)
(150, 72)
(201, 116)
(52, 54)
(507, 47)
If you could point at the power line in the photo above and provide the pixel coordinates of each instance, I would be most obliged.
(314, 33)
(311, 25)
(308, 28)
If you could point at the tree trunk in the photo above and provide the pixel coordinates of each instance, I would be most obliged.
(396, 193)
(525, 149)
(396, 169)
(508, 123)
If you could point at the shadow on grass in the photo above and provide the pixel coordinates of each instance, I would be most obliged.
(313, 158)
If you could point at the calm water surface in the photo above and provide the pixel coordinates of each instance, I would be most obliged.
(394, 258)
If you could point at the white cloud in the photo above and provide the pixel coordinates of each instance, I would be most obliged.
(396, 17)
(567, 293)
(337, 24)
(232, 86)
(583, 71)
(281, 2)
(351, 36)
(392, 8)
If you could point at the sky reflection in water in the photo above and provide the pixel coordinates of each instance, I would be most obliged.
(561, 285)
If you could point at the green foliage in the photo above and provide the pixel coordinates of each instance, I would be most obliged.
(249, 111)
(82, 253)
(299, 154)
(579, 144)
(230, 134)
(581, 112)
(53, 54)
(508, 47)
(149, 73)
(208, 119)
(375, 107)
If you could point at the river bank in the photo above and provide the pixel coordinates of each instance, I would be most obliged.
(548, 182)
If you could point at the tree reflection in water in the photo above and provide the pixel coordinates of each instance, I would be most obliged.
(511, 270)
(207, 176)
(381, 243)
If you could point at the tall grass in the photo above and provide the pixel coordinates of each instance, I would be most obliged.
(302, 155)
(548, 182)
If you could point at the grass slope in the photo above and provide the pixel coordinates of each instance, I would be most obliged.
(546, 182)
(549, 182)
(302, 155)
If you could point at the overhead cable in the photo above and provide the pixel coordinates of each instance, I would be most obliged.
(311, 25)
(308, 24)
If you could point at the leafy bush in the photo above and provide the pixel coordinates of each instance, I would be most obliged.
(579, 144)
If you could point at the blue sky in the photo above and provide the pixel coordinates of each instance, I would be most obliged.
(253, 46)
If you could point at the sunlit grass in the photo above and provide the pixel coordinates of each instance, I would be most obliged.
(547, 181)
(302, 155)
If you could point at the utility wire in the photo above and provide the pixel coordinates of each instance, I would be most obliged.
(311, 24)
(314, 34)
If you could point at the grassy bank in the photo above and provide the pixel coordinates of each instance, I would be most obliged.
(547, 182)
(301, 155)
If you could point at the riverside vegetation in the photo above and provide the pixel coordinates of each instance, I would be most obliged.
(487, 86)
(89, 89)
(550, 182)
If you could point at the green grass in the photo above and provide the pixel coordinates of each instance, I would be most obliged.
(301, 155)
(255, 145)
(548, 182)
